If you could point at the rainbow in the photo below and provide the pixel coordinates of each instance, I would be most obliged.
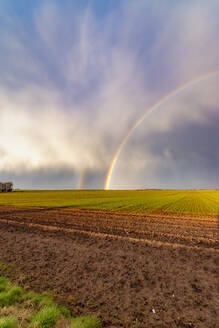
(141, 119)
(81, 178)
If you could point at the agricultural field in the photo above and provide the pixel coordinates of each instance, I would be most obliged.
(196, 203)
(131, 259)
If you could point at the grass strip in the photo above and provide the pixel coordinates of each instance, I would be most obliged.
(25, 309)
(8, 322)
(84, 322)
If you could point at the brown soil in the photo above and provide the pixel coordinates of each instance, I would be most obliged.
(120, 267)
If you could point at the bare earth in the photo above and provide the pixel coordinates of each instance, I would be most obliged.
(121, 267)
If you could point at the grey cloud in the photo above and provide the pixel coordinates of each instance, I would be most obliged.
(42, 179)
(184, 156)
(72, 85)
(58, 178)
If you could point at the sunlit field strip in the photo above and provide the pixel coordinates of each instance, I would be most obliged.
(196, 203)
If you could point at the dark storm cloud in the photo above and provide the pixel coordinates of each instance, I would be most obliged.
(183, 155)
(62, 178)
(42, 179)
(188, 155)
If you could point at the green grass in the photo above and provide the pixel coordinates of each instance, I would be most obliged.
(8, 322)
(190, 202)
(25, 309)
(84, 322)
(11, 296)
(47, 317)
(3, 284)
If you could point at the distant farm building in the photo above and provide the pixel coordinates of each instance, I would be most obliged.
(6, 186)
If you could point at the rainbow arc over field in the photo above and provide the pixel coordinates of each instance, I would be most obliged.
(160, 102)
(81, 178)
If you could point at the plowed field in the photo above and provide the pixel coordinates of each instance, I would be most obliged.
(130, 270)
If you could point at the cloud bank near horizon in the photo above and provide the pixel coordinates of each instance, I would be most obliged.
(74, 79)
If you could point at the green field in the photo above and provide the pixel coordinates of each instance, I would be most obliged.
(198, 202)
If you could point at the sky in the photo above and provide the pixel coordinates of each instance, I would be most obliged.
(76, 76)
